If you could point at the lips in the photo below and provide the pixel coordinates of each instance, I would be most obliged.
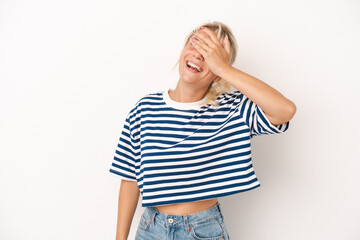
(190, 66)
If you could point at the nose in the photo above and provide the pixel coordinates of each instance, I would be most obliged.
(198, 56)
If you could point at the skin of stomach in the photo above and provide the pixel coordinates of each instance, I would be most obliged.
(187, 207)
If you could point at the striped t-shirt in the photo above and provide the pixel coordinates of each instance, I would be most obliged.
(184, 152)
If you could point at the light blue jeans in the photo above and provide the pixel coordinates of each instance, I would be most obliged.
(204, 225)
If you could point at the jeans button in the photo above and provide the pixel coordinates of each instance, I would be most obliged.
(171, 220)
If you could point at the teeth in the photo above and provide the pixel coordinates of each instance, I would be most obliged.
(193, 65)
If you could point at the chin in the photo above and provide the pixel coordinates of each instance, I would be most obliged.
(189, 78)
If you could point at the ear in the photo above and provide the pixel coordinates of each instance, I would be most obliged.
(217, 79)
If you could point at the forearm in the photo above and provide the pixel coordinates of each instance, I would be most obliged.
(128, 199)
(278, 108)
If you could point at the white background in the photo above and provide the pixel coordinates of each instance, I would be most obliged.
(71, 70)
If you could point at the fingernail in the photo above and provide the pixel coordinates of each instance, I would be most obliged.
(203, 28)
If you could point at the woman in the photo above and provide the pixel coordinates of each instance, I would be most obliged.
(182, 149)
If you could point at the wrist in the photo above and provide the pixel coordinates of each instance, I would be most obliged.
(225, 71)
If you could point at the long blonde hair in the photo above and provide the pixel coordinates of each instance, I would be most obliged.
(217, 88)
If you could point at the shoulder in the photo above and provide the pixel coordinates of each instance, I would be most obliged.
(147, 98)
(229, 97)
(152, 95)
(235, 94)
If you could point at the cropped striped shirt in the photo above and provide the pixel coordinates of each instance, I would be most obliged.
(184, 152)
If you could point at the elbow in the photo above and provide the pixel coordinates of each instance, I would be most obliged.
(286, 114)
(290, 112)
(292, 109)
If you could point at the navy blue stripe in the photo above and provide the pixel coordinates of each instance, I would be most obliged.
(205, 190)
(180, 145)
(200, 183)
(198, 198)
(122, 174)
(191, 178)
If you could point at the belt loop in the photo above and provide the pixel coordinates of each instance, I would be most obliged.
(152, 217)
(186, 223)
(218, 205)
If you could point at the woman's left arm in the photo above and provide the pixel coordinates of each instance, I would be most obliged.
(277, 108)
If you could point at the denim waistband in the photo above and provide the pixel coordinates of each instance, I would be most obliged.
(170, 220)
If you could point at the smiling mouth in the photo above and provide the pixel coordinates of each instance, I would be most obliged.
(193, 67)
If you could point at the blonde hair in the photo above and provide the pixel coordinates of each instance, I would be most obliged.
(222, 86)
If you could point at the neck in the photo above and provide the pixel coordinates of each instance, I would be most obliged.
(187, 94)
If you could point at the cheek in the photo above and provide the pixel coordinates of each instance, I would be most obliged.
(182, 65)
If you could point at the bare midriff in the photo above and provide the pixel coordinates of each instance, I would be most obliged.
(186, 208)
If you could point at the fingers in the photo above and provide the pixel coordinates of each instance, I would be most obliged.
(203, 36)
(200, 43)
(211, 35)
(206, 42)
(198, 46)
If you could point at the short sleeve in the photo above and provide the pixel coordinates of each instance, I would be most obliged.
(255, 117)
(127, 153)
